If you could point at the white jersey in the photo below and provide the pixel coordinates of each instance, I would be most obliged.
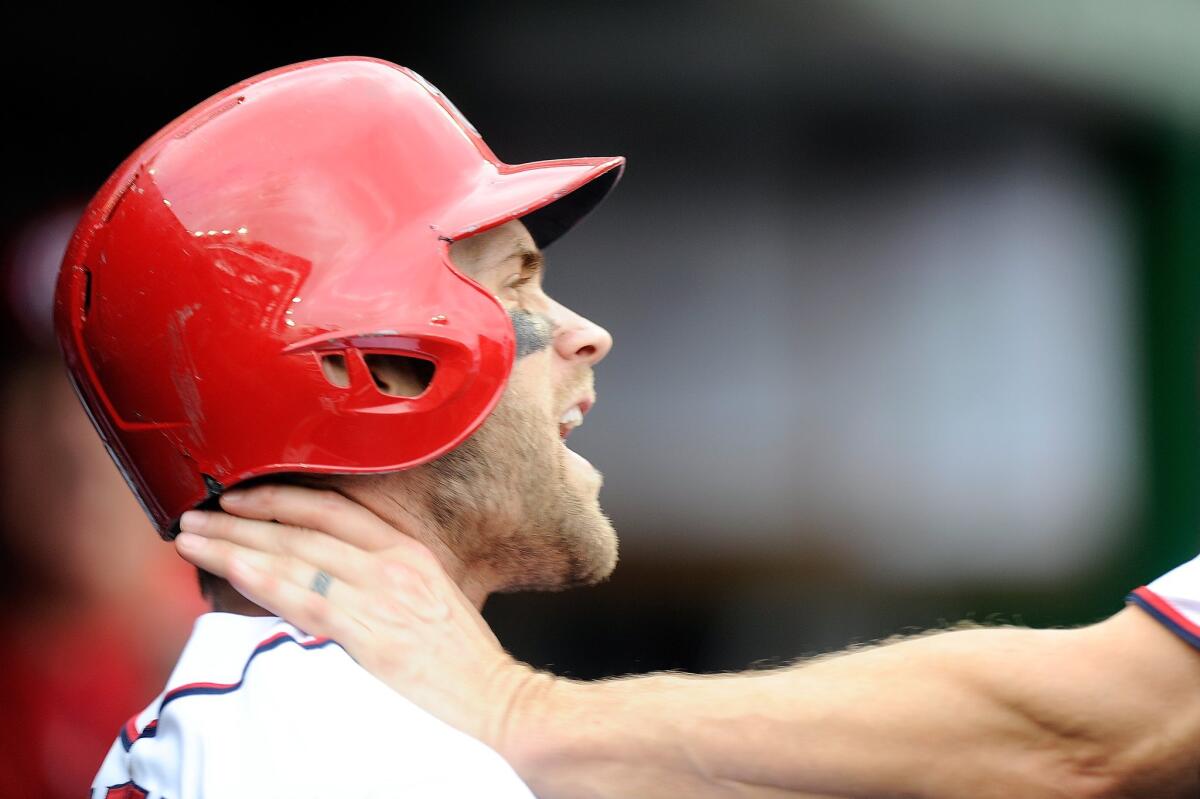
(1174, 599)
(256, 708)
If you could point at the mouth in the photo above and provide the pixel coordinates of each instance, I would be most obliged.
(572, 417)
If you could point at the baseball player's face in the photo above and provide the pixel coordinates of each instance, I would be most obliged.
(524, 507)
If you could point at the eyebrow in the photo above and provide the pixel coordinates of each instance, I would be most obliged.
(531, 261)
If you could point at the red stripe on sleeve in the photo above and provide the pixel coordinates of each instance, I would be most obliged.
(1167, 609)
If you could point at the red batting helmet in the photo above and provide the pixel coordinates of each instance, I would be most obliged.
(303, 214)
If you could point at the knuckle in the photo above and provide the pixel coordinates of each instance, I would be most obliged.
(394, 574)
(376, 573)
(297, 542)
(296, 569)
(270, 583)
(267, 494)
(327, 506)
(424, 558)
(289, 543)
(317, 608)
(218, 522)
(313, 546)
(391, 609)
(225, 556)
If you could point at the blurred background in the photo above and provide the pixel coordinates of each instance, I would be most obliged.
(905, 296)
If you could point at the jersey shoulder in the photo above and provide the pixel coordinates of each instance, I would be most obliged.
(256, 707)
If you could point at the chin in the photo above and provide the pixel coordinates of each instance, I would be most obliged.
(523, 508)
(580, 551)
(597, 556)
(588, 534)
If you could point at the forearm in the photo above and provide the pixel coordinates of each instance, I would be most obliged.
(654, 736)
(992, 712)
(875, 723)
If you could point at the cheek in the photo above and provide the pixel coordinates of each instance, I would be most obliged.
(533, 331)
(530, 391)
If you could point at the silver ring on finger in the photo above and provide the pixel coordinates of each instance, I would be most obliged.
(321, 582)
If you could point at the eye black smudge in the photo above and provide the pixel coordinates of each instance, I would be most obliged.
(533, 331)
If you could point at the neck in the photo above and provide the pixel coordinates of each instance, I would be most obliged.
(224, 598)
(390, 503)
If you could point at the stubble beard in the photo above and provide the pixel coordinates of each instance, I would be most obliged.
(507, 508)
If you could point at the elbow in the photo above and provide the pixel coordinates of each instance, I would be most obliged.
(1069, 764)
(1092, 778)
(1043, 778)
(1050, 769)
(1143, 770)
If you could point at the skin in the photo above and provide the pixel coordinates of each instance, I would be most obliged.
(1110, 710)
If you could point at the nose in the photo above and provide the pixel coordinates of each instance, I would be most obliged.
(578, 338)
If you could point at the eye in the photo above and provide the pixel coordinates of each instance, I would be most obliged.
(530, 272)
(517, 282)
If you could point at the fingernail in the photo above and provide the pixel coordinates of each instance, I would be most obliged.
(190, 542)
(193, 520)
(233, 497)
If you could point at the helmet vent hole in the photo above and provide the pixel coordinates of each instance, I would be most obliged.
(87, 291)
(334, 369)
(399, 375)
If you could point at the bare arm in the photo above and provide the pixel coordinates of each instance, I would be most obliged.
(1107, 710)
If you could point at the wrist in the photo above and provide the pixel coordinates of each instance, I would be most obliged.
(519, 728)
(558, 731)
(523, 730)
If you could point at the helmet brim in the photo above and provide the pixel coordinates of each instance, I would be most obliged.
(549, 197)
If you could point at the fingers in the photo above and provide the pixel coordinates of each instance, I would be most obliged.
(292, 557)
(281, 585)
(406, 559)
(322, 551)
(318, 510)
(272, 563)
(334, 515)
(301, 607)
(221, 558)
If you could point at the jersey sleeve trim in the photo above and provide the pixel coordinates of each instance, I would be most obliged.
(1161, 609)
(126, 790)
(130, 734)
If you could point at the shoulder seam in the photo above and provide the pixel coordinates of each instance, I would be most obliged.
(131, 735)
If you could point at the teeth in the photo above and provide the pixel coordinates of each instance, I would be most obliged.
(573, 417)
